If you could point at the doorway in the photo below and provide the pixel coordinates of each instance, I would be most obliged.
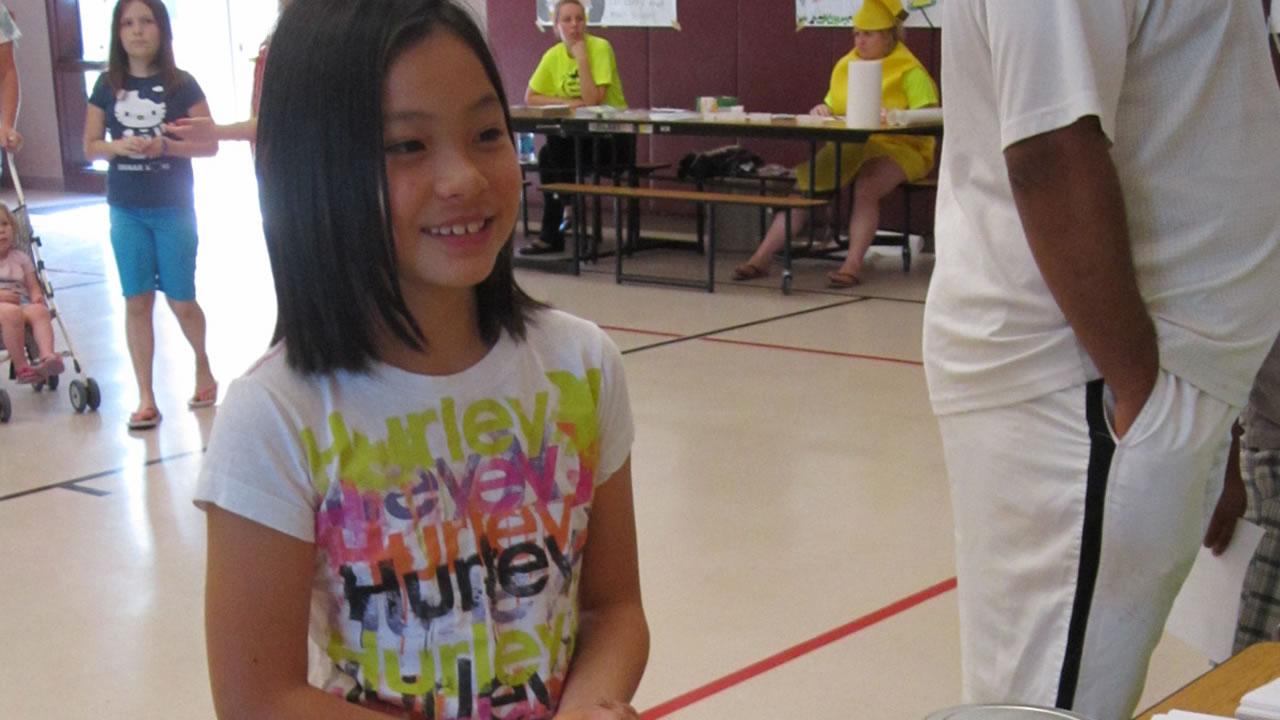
(214, 40)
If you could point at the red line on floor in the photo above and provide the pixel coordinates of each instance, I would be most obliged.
(772, 346)
(773, 661)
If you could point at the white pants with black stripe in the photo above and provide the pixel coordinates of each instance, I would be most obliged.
(1071, 545)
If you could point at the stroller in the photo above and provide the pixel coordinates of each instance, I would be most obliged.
(84, 391)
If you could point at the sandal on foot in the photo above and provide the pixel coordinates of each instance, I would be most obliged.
(29, 375)
(541, 247)
(841, 280)
(204, 397)
(144, 419)
(747, 271)
(52, 365)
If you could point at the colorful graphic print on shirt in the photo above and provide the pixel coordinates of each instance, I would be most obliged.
(454, 545)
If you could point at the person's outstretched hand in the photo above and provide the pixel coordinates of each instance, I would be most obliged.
(192, 129)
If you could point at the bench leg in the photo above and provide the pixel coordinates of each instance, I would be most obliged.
(786, 255)
(711, 248)
(906, 230)
(617, 252)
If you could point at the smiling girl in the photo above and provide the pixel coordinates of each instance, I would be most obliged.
(419, 500)
(149, 189)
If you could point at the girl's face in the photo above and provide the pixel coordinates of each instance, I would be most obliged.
(873, 44)
(571, 23)
(139, 32)
(452, 175)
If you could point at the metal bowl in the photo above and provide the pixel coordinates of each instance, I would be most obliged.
(1003, 712)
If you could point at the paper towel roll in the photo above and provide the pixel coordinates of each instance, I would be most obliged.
(923, 116)
(863, 109)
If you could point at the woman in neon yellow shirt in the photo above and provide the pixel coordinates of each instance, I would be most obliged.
(578, 71)
(875, 167)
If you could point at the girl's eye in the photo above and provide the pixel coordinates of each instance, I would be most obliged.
(491, 135)
(406, 147)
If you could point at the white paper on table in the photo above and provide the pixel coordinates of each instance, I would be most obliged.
(1261, 702)
(1184, 715)
(1205, 612)
(862, 103)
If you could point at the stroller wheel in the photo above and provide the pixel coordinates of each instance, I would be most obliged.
(79, 395)
(94, 395)
(38, 386)
(6, 407)
(52, 382)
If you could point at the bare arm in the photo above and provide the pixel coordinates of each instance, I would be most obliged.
(257, 608)
(204, 129)
(592, 94)
(613, 638)
(34, 290)
(1069, 199)
(534, 99)
(193, 148)
(10, 99)
(96, 144)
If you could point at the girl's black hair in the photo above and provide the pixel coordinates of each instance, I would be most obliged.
(118, 59)
(323, 182)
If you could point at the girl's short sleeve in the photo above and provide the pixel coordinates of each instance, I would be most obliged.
(255, 465)
(617, 428)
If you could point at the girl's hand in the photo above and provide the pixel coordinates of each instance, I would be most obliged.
(10, 297)
(579, 48)
(822, 110)
(132, 145)
(155, 147)
(10, 139)
(193, 129)
(603, 710)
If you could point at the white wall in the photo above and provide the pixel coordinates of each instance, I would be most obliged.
(40, 162)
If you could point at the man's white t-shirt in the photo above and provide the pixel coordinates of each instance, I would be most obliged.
(449, 514)
(1186, 93)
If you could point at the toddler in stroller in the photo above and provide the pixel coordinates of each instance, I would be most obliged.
(22, 306)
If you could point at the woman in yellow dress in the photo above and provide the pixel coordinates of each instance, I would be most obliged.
(875, 167)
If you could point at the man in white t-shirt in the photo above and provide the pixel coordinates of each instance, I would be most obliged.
(1105, 290)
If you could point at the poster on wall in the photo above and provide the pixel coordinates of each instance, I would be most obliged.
(618, 13)
(839, 13)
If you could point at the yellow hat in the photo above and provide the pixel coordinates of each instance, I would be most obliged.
(879, 15)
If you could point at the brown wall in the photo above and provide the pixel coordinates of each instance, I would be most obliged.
(747, 48)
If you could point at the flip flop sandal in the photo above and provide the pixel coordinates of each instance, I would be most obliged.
(747, 271)
(29, 375)
(842, 280)
(52, 365)
(204, 397)
(144, 419)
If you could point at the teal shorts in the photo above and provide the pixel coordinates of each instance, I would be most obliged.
(155, 249)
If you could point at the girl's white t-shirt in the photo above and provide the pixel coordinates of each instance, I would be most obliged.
(449, 513)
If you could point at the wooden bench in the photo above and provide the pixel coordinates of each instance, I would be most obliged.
(630, 173)
(704, 200)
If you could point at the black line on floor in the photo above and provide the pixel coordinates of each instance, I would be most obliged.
(64, 288)
(56, 207)
(69, 271)
(94, 476)
(86, 490)
(740, 326)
